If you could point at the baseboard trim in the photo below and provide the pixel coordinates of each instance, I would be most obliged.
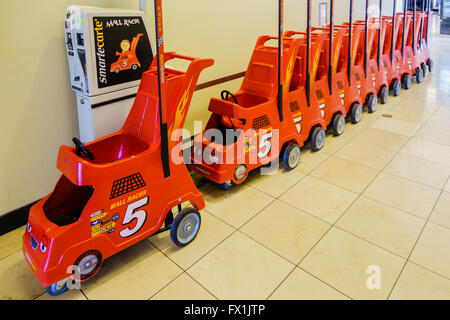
(15, 218)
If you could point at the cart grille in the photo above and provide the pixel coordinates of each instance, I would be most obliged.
(294, 106)
(260, 122)
(124, 185)
(319, 94)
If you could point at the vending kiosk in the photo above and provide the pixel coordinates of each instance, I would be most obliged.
(107, 50)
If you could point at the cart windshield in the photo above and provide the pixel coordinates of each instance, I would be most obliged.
(66, 203)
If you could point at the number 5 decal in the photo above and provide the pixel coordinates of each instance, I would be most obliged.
(265, 145)
(131, 214)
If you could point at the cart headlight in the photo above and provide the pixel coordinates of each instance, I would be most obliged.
(28, 227)
(44, 243)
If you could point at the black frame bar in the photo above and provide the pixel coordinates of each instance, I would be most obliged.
(405, 8)
(308, 53)
(331, 51)
(414, 28)
(393, 32)
(380, 25)
(350, 32)
(366, 38)
(280, 58)
(163, 125)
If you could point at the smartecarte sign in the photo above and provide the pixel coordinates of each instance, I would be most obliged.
(122, 49)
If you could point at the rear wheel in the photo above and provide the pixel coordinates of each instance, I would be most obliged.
(317, 138)
(88, 264)
(419, 75)
(356, 112)
(396, 87)
(185, 227)
(338, 124)
(406, 81)
(372, 103)
(384, 95)
(240, 173)
(291, 156)
(134, 66)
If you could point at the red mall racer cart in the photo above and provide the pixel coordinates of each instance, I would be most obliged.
(121, 189)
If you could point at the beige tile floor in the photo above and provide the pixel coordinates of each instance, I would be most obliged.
(373, 205)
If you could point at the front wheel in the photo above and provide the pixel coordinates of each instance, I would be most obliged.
(291, 156)
(317, 139)
(396, 88)
(338, 124)
(407, 81)
(356, 113)
(384, 95)
(372, 103)
(57, 288)
(185, 227)
(227, 185)
(419, 75)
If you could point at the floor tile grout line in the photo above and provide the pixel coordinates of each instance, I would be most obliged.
(184, 270)
(209, 251)
(359, 196)
(238, 229)
(334, 224)
(415, 244)
(329, 285)
(429, 270)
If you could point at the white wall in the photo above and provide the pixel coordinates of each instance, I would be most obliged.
(38, 106)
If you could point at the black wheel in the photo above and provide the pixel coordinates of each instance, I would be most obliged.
(88, 264)
(383, 95)
(116, 70)
(419, 75)
(291, 156)
(227, 185)
(406, 81)
(317, 138)
(134, 66)
(396, 88)
(338, 124)
(185, 227)
(430, 65)
(372, 103)
(57, 288)
(356, 112)
(424, 69)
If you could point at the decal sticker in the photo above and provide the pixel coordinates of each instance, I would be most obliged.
(94, 223)
(134, 212)
(127, 184)
(125, 200)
